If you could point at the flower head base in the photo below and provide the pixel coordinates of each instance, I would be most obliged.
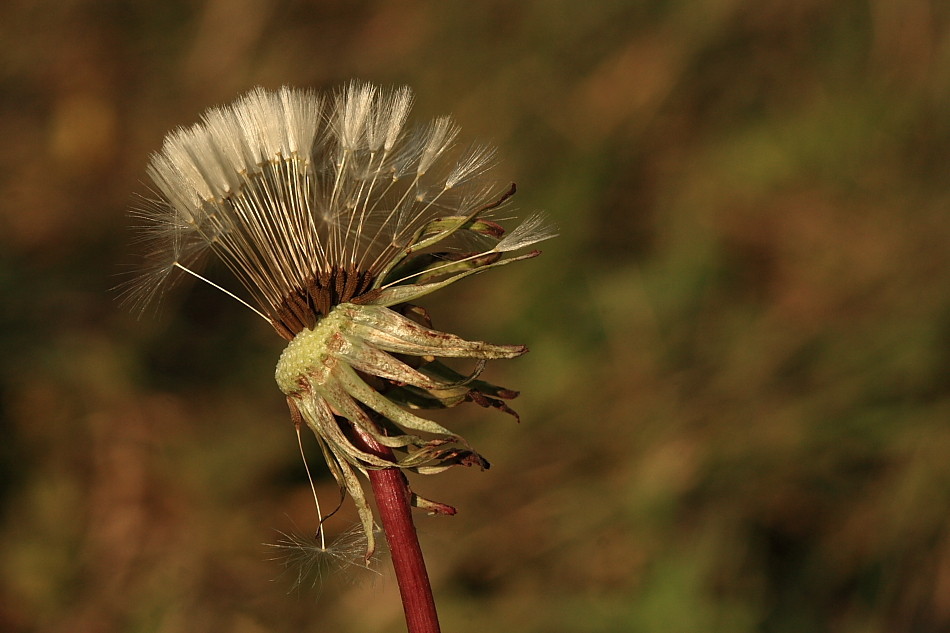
(334, 217)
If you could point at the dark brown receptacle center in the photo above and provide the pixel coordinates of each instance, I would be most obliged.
(302, 308)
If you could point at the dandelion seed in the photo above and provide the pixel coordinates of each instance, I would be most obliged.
(535, 229)
(334, 217)
(475, 163)
(310, 561)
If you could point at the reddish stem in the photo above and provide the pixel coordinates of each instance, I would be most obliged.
(393, 500)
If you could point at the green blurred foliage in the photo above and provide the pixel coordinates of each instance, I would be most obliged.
(735, 412)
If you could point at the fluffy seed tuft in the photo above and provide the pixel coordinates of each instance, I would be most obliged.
(308, 561)
(305, 214)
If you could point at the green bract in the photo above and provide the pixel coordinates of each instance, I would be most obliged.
(320, 371)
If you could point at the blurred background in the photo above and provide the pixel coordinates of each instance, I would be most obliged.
(736, 412)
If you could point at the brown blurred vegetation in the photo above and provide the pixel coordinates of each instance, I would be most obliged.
(736, 409)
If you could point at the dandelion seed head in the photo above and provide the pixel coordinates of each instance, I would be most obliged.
(333, 215)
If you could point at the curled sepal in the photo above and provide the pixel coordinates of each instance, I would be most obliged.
(343, 379)
(319, 418)
(357, 388)
(400, 294)
(430, 506)
(456, 389)
(392, 332)
(452, 264)
(456, 222)
(352, 485)
(439, 229)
